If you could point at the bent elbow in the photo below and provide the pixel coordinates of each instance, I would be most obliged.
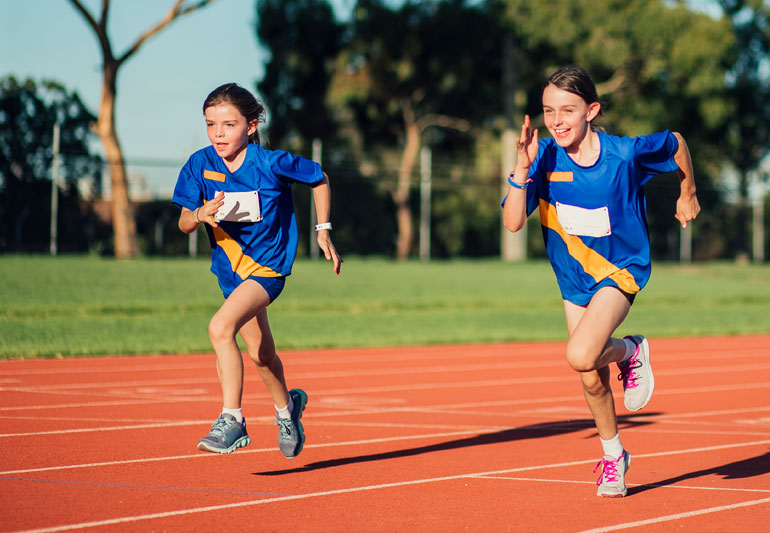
(513, 227)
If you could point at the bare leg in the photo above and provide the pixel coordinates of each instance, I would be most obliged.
(242, 306)
(261, 347)
(591, 349)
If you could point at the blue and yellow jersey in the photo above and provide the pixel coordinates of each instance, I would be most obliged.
(243, 249)
(594, 219)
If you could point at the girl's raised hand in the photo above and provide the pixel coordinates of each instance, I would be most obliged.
(207, 210)
(527, 145)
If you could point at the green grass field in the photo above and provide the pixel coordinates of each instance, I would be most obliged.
(81, 305)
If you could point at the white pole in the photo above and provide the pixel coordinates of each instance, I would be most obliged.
(685, 244)
(758, 235)
(312, 242)
(192, 243)
(55, 190)
(513, 246)
(425, 195)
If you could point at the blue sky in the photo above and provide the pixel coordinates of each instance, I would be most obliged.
(160, 89)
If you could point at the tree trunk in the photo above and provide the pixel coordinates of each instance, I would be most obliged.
(401, 194)
(123, 221)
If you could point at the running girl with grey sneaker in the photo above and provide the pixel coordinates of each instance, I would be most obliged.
(241, 192)
(589, 189)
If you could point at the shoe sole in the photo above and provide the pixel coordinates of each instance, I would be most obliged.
(240, 443)
(644, 347)
(303, 403)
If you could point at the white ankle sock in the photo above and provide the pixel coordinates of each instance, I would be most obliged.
(235, 412)
(612, 447)
(630, 349)
(285, 413)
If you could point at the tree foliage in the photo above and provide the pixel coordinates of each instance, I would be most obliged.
(28, 112)
(303, 38)
(747, 139)
(397, 76)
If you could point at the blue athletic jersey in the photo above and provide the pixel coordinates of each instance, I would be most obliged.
(243, 249)
(594, 219)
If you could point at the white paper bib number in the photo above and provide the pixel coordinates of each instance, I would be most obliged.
(584, 222)
(239, 207)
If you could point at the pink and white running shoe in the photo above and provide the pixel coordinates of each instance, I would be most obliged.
(636, 375)
(612, 479)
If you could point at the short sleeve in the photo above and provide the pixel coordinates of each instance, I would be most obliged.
(294, 168)
(654, 154)
(187, 192)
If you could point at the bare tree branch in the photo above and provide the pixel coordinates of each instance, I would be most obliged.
(177, 10)
(611, 85)
(105, 15)
(98, 27)
(443, 121)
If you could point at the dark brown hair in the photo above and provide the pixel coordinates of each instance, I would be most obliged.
(240, 98)
(575, 80)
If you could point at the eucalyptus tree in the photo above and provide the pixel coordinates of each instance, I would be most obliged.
(748, 131)
(405, 70)
(123, 220)
(657, 64)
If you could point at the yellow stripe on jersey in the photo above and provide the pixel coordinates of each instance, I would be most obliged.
(242, 264)
(593, 263)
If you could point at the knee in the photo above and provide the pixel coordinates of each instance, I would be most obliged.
(580, 357)
(220, 329)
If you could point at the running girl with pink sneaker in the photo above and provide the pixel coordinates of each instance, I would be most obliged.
(589, 189)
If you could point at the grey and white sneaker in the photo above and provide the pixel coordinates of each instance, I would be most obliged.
(612, 479)
(636, 375)
(225, 436)
(291, 436)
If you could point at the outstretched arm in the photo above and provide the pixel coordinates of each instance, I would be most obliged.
(687, 206)
(322, 199)
(515, 208)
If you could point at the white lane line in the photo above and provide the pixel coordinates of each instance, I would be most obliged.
(651, 485)
(450, 409)
(108, 428)
(242, 451)
(423, 370)
(196, 510)
(370, 390)
(678, 516)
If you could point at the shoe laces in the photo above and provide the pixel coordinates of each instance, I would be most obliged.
(627, 374)
(609, 471)
(219, 426)
(285, 426)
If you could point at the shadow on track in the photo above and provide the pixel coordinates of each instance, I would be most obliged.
(535, 431)
(756, 466)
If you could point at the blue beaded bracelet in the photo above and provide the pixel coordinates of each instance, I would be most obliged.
(518, 186)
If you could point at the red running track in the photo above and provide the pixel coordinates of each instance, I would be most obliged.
(440, 438)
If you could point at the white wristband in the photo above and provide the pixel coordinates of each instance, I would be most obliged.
(325, 225)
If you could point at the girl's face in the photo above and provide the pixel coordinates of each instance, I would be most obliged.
(567, 116)
(228, 130)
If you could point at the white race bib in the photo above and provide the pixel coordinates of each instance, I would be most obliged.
(239, 207)
(584, 222)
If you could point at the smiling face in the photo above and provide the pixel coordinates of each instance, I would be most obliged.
(567, 116)
(228, 131)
